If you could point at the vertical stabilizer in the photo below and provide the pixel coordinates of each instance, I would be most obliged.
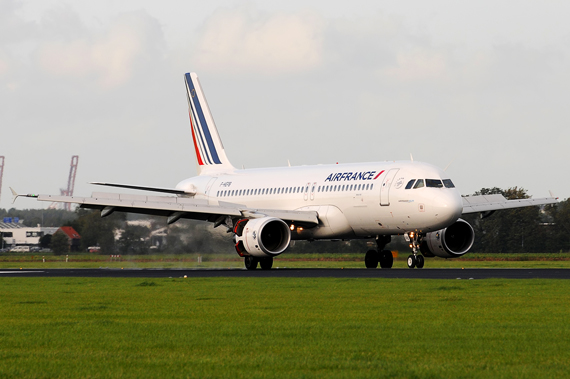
(210, 153)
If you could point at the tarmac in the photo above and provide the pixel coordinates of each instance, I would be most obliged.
(397, 273)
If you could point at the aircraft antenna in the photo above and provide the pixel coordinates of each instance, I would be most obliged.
(1, 173)
(411, 157)
(449, 164)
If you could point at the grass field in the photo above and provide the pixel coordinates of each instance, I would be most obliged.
(279, 327)
(290, 260)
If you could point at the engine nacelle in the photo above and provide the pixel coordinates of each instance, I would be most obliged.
(262, 237)
(451, 242)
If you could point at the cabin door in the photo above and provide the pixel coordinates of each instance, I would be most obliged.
(385, 186)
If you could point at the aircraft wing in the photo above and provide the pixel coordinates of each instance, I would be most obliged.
(490, 203)
(175, 207)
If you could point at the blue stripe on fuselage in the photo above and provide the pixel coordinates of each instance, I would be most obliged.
(203, 124)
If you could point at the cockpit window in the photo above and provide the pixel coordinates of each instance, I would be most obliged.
(448, 183)
(410, 184)
(419, 184)
(434, 183)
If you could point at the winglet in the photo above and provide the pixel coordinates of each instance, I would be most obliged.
(552, 195)
(16, 195)
(210, 153)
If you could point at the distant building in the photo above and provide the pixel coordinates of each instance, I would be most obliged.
(73, 236)
(16, 234)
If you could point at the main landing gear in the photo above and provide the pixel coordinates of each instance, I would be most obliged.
(251, 262)
(415, 259)
(380, 256)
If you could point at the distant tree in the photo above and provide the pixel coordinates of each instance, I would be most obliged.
(508, 231)
(45, 241)
(60, 243)
(97, 231)
(134, 240)
(559, 226)
(43, 217)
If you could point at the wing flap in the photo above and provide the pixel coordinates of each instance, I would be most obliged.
(486, 203)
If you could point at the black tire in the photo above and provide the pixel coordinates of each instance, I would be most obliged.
(251, 262)
(412, 261)
(420, 261)
(371, 259)
(266, 263)
(386, 259)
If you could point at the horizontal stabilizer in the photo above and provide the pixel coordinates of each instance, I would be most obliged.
(173, 191)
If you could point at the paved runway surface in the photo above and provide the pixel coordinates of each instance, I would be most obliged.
(426, 273)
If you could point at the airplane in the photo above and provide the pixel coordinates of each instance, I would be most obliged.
(267, 208)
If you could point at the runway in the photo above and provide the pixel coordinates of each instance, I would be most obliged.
(398, 273)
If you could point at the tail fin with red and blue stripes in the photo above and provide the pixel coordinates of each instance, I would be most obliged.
(210, 153)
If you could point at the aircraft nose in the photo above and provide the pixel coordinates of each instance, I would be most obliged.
(448, 207)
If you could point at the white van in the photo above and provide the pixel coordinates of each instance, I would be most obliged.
(20, 249)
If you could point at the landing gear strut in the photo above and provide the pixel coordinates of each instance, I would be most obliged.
(415, 260)
(384, 257)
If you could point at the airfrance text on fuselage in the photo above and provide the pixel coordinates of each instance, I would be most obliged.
(346, 176)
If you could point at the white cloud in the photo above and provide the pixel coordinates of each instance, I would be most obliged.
(417, 65)
(110, 56)
(240, 39)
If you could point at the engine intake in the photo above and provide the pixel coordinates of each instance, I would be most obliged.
(261, 237)
(451, 242)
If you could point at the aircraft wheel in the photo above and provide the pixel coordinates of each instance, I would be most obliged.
(420, 261)
(386, 259)
(266, 263)
(412, 261)
(251, 262)
(371, 259)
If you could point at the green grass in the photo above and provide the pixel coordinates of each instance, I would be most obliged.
(290, 260)
(280, 327)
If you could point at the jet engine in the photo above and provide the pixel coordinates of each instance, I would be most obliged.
(261, 237)
(451, 242)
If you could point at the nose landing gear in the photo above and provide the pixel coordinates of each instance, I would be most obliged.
(415, 259)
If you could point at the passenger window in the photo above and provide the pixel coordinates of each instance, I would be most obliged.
(448, 183)
(371, 186)
(359, 186)
(410, 184)
(419, 184)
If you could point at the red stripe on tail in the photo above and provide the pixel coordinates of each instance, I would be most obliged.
(200, 162)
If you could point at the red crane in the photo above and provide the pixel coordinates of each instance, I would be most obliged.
(70, 184)
(1, 173)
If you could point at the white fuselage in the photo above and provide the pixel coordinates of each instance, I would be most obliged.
(357, 200)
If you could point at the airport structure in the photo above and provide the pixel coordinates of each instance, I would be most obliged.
(13, 233)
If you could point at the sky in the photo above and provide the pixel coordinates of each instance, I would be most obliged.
(481, 88)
